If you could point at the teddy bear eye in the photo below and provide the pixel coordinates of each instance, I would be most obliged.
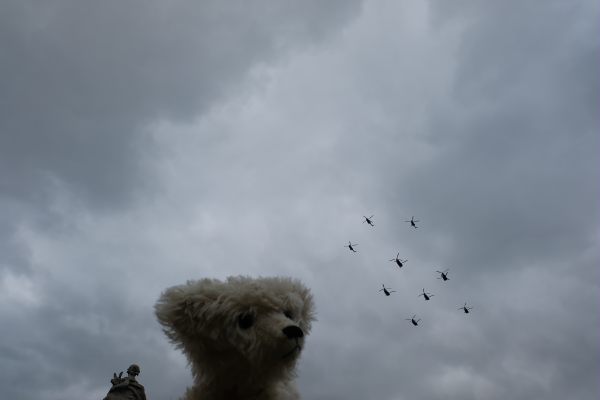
(288, 314)
(246, 320)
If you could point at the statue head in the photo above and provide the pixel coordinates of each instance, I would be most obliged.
(133, 369)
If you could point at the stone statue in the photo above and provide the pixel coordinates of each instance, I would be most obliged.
(127, 388)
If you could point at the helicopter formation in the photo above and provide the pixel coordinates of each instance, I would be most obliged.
(387, 291)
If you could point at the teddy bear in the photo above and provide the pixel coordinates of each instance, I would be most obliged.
(242, 336)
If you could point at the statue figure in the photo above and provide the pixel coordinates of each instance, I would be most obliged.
(127, 388)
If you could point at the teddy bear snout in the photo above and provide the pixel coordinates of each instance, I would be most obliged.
(293, 332)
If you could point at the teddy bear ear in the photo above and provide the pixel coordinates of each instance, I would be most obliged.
(183, 310)
(177, 311)
(308, 311)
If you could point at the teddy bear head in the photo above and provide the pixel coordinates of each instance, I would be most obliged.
(240, 324)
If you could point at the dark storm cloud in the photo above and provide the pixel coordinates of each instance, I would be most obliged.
(519, 136)
(81, 80)
(80, 85)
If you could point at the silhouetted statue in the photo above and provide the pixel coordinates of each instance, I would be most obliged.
(127, 388)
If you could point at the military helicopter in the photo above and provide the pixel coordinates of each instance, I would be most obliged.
(465, 308)
(386, 291)
(369, 220)
(443, 275)
(426, 296)
(412, 222)
(398, 261)
(413, 321)
(350, 246)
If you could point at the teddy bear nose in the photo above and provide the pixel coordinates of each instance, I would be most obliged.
(292, 332)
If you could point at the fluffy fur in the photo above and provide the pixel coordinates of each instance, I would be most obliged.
(242, 337)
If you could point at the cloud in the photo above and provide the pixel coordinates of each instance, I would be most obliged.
(82, 87)
(81, 83)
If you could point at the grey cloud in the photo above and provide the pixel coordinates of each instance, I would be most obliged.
(518, 139)
(81, 81)
(82, 86)
(481, 125)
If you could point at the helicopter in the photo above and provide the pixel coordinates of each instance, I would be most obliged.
(426, 296)
(386, 291)
(399, 261)
(465, 308)
(412, 222)
(443, 275)
(350, 246)
(369, 220)
(413, 321)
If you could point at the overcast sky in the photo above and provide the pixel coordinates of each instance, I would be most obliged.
(145, 143)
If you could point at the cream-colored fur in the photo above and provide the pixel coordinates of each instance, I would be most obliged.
(242, 337)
